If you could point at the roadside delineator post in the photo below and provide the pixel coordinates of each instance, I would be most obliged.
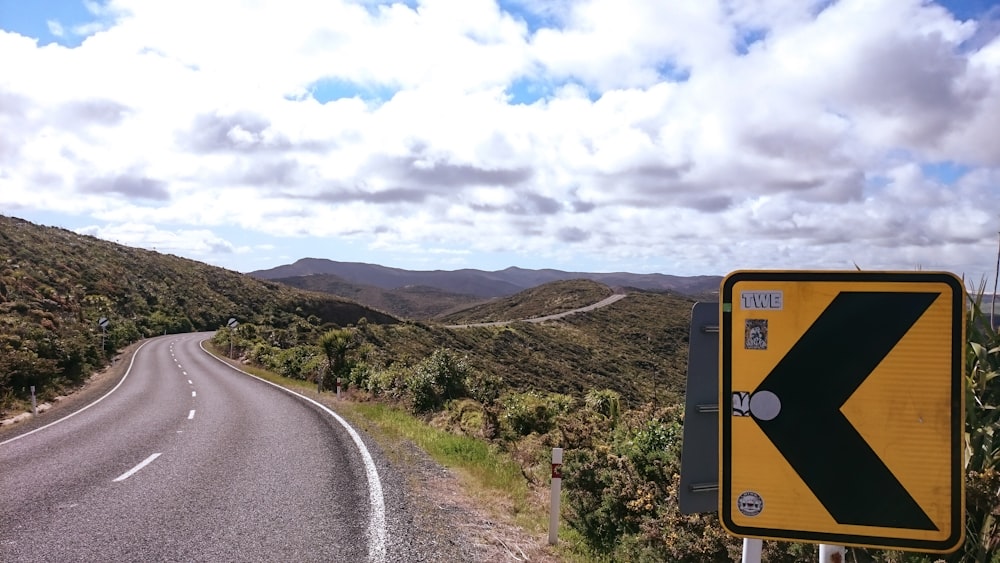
(34, 405)
(557, 454)
(338, 387)
(832, 553)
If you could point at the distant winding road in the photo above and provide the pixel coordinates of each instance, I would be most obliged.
(189, 460)
(602, 303)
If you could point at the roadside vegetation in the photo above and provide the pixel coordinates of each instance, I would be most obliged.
(56, 285)
(621, 430)
(606, 385)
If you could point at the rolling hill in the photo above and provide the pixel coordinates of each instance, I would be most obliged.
(55, 285)
(483, 284)
(410, 302)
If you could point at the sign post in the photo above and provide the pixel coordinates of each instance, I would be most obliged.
(554, 494)
(232, 324)
(864, 367)
(103, 323)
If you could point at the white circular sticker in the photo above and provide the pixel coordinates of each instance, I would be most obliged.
(750, 504)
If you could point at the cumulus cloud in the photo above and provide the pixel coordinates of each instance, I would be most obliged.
(680, 137)
(128, 185)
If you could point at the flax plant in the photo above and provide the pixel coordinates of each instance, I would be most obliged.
(982, 435)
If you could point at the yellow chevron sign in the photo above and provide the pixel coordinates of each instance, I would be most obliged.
(842, 418)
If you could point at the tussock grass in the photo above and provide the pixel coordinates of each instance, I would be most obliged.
(485, 472)
(480, 460)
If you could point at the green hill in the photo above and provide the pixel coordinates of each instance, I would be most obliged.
(55, 285)
(548, 299)
(636, 346)
(409, 302)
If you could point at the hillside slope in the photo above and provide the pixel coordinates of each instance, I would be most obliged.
(484, 284)
(636, 346)
(548, 299)
(55, 285)
(410, 302)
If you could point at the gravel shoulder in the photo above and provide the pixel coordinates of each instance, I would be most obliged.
(429, 509)
(429, 514)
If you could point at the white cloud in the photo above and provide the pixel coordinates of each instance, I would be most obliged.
(681, 137)
(55, 28)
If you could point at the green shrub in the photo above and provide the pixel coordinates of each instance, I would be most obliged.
(524, 413)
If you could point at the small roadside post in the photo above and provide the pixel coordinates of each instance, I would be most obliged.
(34, 404)
(103, 323)
(232, 324)
(557, 454)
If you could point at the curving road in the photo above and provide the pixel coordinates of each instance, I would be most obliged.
(602, 303)
(189, 460)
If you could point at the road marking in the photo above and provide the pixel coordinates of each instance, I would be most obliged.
(189, 382)
(135, 469)
(194, 393)
(184, 372)
(191, 414)
(71, 415)
(377, 534)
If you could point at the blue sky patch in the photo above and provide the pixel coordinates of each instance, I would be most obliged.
(527, 91)
(945, 172)
(332, 89)
(52, 21)
(534, 19)
(748, 38)
(672, 72)
(969, 9)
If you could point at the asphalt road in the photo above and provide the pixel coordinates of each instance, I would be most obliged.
(189, 460)
(602, 303)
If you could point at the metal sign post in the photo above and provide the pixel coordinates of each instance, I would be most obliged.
(103, 323)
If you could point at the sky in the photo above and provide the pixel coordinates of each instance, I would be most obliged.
(684, 137)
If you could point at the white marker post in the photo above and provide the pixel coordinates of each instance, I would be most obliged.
(557, 454)
(338, 388)
(832, 553)
(34, 405)
(751, 550)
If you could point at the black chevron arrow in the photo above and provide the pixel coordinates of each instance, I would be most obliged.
(815, 379)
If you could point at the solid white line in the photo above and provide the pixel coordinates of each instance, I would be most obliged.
(376, 525)
(133, 471)
(191, 414)
(71, 415)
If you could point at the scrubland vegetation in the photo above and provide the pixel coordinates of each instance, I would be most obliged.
(606, 385)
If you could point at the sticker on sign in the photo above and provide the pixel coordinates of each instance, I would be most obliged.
(761, 300)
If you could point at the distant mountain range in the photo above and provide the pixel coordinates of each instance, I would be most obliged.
(409, 292)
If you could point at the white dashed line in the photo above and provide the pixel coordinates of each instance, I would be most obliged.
(135, 469)
(194, 393)
(191, 414)
(189, 382)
